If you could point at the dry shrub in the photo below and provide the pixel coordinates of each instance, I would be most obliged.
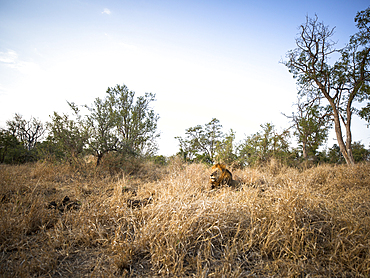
(282, 222)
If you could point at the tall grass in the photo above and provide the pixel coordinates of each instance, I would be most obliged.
(281, 222)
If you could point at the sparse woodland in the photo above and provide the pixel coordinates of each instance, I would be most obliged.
(87, 195)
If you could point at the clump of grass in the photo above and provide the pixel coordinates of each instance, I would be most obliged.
(280, 222)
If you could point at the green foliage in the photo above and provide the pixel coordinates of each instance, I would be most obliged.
(311, 125)
(117, 123)
(67, 138)
(159, 159)
(259, 148)
(136, 122)
(101, 125)
(359, 44)
(226, 149)
(50, 150)
(201, 142)
(359, 152)
(364, 113)
(334, 156)
(11, 150)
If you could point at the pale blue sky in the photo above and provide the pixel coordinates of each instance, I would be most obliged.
(202, 59)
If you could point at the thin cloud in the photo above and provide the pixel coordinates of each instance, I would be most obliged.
(8, 57)
(106, 11)
(3, 91)
(128, 46)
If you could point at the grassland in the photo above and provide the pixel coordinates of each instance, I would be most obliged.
(166, 222)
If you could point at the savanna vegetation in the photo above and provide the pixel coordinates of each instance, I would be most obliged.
(61, 221)
(86, 194)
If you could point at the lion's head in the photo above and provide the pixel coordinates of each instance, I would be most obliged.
(220, 176)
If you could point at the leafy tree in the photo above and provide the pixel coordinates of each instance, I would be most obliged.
(359, 46)
(334, 155)
(159, 160)
(186, 152)
(225, 149)
(68, 136)
(341, 84)
(101, 125)
(359, 152)
(11, 150)
(201, 142)
(311, 125)
(136, 122)
(365, 114)
(262, 146)
(50, 150)
(120, 124)
(213, 134)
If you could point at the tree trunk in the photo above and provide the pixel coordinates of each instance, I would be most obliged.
(348, 126)
(349, 137)
(345, 149)
(100, 156)
(304, 149)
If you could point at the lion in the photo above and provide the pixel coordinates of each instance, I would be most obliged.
(221, 176)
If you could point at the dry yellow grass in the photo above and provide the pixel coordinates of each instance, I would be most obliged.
(281, 222)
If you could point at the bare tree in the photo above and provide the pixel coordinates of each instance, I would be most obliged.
(28, 132)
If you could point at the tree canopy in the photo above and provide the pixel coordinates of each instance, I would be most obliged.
(200, 142)
(342, 83)
(116, 123)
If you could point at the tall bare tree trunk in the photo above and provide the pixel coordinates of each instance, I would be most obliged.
(345, 149)
(349, 133)
(304, 149)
